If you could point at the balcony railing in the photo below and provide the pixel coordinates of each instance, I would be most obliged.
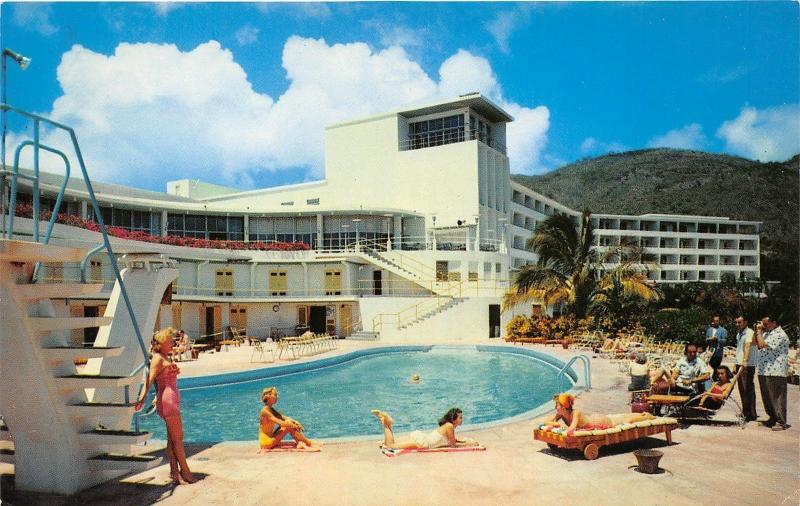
(448, 136)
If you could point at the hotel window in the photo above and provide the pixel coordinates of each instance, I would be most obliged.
(436, 132)
(223, 283)
(473, 271)
(333, 282)
(278, 283)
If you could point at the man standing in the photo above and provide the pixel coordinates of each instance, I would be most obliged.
(773, 363)
(716, 337)
(746, 358)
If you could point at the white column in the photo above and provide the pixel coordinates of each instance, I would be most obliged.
(164, 218)
(246, 228)
(320, 231)
(305, 277)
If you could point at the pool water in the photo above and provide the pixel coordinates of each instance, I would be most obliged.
(336, 401)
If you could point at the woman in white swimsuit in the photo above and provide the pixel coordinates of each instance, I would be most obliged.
(445, 435)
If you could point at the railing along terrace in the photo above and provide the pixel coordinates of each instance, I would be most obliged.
(449, 136)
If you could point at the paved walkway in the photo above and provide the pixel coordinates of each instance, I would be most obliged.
(708, 464)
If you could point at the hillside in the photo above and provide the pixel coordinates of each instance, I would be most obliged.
(687, 182)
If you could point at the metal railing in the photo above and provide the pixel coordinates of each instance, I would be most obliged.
(587, 370)
(450, 135)
(37, 121)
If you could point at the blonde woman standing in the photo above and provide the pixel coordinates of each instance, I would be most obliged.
(164, 373)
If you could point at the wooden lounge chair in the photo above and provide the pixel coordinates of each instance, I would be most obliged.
(590, 441)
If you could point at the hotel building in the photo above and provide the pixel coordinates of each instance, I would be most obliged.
(414, 233)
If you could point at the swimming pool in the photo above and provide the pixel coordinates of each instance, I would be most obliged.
(335, 397)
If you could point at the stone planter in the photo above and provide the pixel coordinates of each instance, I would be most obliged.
(648, 460)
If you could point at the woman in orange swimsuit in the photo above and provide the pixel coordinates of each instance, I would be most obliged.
(273, 426)
(164, 373)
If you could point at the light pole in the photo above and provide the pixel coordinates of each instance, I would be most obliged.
(23, 62)
(357, 221)
(345, 227)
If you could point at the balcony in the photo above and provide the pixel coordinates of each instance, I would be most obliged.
(452, 135)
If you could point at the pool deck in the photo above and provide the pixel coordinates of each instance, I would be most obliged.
(707, 464)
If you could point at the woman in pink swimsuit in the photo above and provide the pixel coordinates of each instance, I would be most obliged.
(168, 402)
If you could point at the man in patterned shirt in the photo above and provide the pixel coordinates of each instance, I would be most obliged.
(773, 363)
(690, 372)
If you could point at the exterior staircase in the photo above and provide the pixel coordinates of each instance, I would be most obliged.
(384, 261)
(364, 335)
(431, 313)
(50, 410)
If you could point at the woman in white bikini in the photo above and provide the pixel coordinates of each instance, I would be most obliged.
(443, 436)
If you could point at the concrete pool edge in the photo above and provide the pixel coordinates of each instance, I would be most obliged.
(288, 369)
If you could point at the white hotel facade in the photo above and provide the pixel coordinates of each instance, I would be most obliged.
(414, 233)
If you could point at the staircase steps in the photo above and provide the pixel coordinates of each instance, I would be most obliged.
(93, 409)
(23, 251)
(99, 437)
(41, 291)
(45, 325)
(56, 353)
(363, 335)
(98, 380)
(118, 461)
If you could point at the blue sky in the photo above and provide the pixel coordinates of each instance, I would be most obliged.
(240, 94)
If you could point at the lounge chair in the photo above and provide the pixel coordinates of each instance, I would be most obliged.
(262, 348)
(590, 441)
(686, 407)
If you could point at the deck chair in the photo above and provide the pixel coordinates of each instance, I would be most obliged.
(687, 407)
(262, 348)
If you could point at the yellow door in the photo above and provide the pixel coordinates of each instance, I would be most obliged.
(333, 282)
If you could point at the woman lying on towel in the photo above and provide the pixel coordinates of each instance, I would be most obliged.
(274, 426)
(445, 435)
(567, 416)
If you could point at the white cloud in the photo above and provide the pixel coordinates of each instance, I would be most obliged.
(394, 34)
(164, 8)
(34, 16)
(771, 134)
(592, 146)
(503, 26)
(148, 110)
(246, 35)
(688, 137)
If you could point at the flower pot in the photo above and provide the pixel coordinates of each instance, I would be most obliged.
(648, 460)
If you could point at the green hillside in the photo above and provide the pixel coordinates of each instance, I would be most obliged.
(688, 182)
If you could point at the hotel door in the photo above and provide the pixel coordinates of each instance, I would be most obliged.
(494, 320)
(316, 322)
(377, 282)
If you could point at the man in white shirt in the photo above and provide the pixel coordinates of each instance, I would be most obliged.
(746, 359)
(773, 363)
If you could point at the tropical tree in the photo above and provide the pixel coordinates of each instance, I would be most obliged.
(570, 271)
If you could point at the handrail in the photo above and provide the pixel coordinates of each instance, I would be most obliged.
(37, 119)
(587, 370)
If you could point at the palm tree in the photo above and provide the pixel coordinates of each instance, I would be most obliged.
(570, 271)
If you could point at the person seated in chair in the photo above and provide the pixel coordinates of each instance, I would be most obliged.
(640, 375)
(719, 391)
(687, 378)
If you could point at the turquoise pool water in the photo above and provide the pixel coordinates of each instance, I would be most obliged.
(335, 401)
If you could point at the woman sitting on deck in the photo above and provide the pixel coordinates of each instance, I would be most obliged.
(273, 426)
(445, 435)
(567, 416)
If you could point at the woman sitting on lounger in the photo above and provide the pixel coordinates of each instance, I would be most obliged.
(567, 416)
(275, 426)
(445, 435)
(716, 395)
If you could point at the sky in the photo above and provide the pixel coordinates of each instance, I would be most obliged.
(239, 94)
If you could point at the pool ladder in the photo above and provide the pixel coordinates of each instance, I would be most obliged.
(587, 370)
